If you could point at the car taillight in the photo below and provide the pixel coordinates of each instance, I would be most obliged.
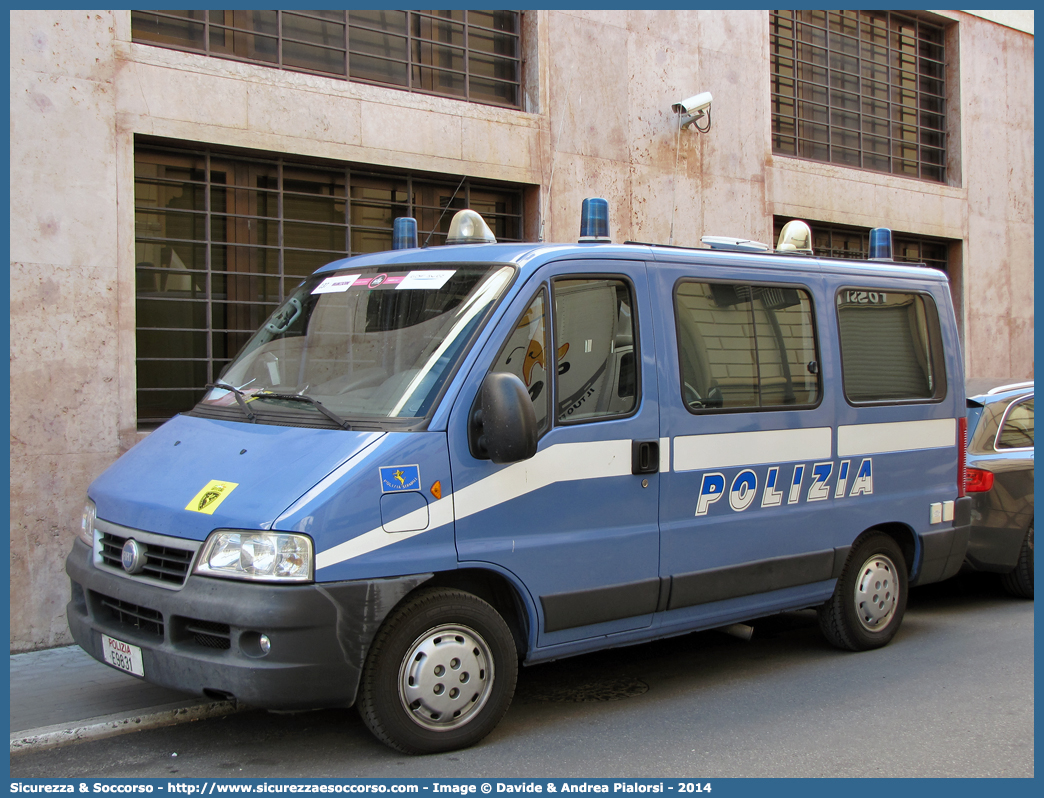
(962, 456)
(978, 481)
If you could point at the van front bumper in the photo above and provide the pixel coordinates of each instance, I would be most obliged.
(203, 638)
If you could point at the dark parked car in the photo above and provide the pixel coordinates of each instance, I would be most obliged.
(1000, 479)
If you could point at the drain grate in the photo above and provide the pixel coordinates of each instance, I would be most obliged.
(581, 692)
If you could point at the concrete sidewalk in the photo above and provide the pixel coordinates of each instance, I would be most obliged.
(63, 695)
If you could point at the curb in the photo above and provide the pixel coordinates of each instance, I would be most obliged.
(112, 725)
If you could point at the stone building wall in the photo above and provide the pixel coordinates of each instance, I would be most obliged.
(596, 122)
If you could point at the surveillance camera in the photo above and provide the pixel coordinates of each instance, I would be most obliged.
(692, 109)
(694, 106)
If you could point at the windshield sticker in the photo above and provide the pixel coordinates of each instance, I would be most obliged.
(399, 478)
(431, 280)
(208, 499)
(336, 284)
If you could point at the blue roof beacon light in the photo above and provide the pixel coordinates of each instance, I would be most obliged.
(594, 221)
(404, 233)
(880, 244)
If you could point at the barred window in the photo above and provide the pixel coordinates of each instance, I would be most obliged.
(859, 88)
(838, 241)
(470, 55)
(220, 240)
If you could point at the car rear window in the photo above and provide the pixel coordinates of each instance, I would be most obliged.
(1017, 430)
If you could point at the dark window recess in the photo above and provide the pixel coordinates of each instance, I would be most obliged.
(469, 55)
(141, 620)
(221, 240)
(887, 343)
(161, 562)
(839, 241)
(860, 88)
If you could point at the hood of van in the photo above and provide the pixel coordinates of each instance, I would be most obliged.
(194, 475)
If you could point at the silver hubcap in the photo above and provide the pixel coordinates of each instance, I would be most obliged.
(446, 677)
(877, 593)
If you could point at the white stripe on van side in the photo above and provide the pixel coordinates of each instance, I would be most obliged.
(563, 462)
(439, 513)
(896, 436)
(731, 449)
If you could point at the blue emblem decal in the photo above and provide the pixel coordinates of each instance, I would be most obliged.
(399, 478)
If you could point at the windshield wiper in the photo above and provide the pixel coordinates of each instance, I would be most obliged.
(239, 397)
(300, 397)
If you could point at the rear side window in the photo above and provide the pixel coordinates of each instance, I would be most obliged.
(744, 346)
(1017, 430)
(890, 346)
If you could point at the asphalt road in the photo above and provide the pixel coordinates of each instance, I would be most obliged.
(951, 696)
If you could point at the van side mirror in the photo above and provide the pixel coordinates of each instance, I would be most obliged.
(503, 425)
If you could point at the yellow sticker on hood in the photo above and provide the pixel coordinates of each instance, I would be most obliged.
(208, 499)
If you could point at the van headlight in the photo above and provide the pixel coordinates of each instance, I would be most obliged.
(264, 556)
(86, 531)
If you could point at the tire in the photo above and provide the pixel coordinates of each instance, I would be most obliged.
(1020, 581)
(870, 597)
(440, 673)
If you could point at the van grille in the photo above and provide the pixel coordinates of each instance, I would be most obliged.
(209, 634)
(165, 563)
(140, 619)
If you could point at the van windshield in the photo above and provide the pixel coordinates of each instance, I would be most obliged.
(366, 345)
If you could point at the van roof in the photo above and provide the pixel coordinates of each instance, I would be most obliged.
(530, 256)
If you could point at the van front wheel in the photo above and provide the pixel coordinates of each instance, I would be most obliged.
(440, 674)
(870, 596)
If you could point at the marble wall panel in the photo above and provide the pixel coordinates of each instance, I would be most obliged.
(988, 352)
(514, 147)
(188, 96)
(662, 72)
(308, 115)
(74, 44)
(410, 131)
(577, 178)
(733, 31)
(588, 93)
(653, 193)
(47, 497)
(62, 161)
(1020, 236)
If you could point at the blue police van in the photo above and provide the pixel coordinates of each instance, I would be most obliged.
(432, 464)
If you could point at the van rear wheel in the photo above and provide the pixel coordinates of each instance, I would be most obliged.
(870, 596)
(440, 674)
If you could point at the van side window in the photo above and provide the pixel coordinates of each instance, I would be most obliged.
(887, 342)
(525, 355)
(745, 346)
(1017, 432)
(595, 349)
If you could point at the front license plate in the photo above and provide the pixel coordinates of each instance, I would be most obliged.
(122, 655)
